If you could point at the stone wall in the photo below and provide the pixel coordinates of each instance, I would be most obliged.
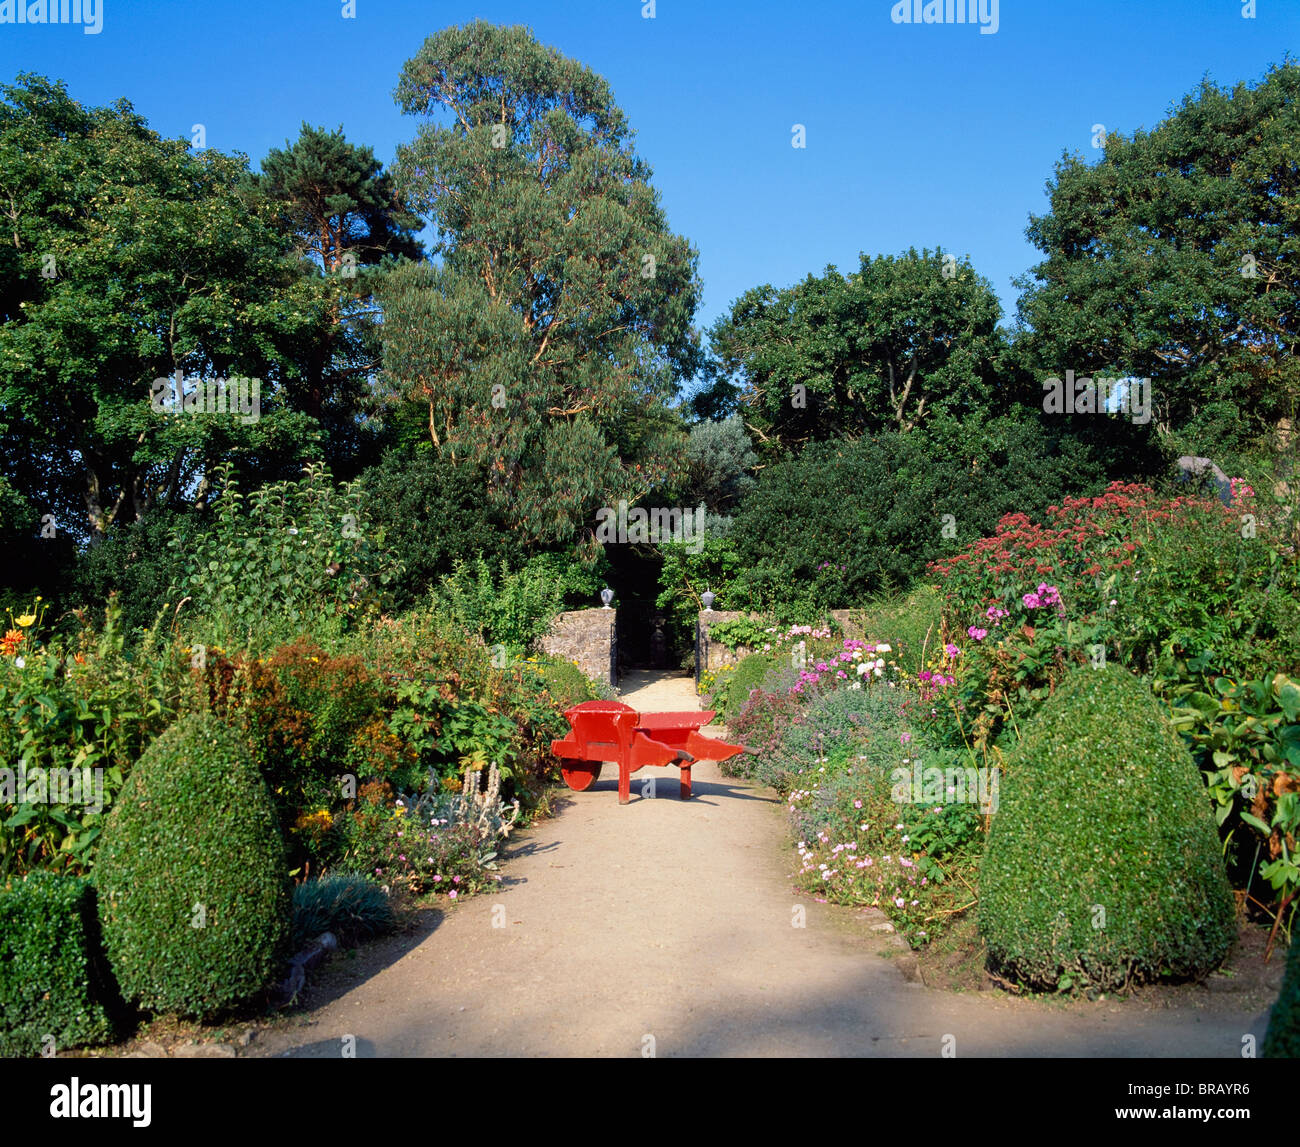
(587, 636)
(709, 655)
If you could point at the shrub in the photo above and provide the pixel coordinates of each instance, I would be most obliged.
(1156, 579)
(1245, 737)
(859, 845)
(847, 521)
(514, 609)
(760, 725)
(350, 907)
(444, 841)
(194, 897)
(565, 682)
(82, 705)
(1283, 1038)
(311, 717)
(54, 979)
(748, 675)
(297, 556)
(868, 720)
(1102, 864)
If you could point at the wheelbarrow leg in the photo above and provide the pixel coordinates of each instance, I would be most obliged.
(624, 782)
(686, 781)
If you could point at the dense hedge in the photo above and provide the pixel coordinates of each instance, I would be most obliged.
(1283, 1038)
(54, 979)
(1102, 864)
(846, 521)
(194, 893)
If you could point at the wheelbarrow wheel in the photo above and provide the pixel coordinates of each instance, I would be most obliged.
(581, 775)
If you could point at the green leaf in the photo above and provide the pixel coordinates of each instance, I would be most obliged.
(1256, 823)
(25, 814)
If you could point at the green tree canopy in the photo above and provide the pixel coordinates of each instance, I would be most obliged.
(1176, 257)
(127, 257)
(348, 225)
(549, 339)
(885, 348)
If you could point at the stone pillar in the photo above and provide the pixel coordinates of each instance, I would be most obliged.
(708, 654)
(589, 637)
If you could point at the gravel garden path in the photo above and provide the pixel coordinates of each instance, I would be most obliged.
(672, 922)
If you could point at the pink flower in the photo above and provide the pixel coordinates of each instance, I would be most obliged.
(857, 804)
(951, 650)
(903, 738)
(452, 894)
(1031, 601)
(977, 633)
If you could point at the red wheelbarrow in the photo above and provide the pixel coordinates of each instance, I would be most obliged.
(612, 731)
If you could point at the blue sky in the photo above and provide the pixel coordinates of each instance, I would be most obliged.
(917, 135)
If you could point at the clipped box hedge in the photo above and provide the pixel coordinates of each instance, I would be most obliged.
(54, 979)
(1103, 866)
(194, 893)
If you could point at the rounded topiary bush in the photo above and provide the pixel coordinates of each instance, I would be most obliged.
(193, 891)
(1283, 1038)
(1103, 865)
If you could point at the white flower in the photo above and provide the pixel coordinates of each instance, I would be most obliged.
(884, 649)
(21, 662)
(863, 668)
